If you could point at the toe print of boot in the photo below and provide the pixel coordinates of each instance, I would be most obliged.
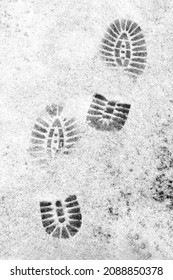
(124, 45)
(53, 134)
(107, 115)
(61, 219)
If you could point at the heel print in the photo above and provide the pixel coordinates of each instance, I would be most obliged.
(61, 219)
(53, 134)
(107, 115)
(124, 45)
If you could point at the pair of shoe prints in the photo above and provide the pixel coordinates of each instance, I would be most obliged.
(123, 46)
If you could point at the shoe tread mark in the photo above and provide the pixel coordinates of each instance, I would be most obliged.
(43, 122)
(71, 230)
(58, 203)
(136, 31)
(137, 65)
(64, 219)
(72, 204)
(109, 38)
(38, 135)
(53, 135)
(112, 114)
(61, 220)
(133, 27)
(138, 43)
(40, 128)
(106, 48)
(37, 141)
(107, 43)
(112, 30)
(60, 212)
(140, 54)
(47, 209)
(118, 45)
(71, 198)
(45, 203)
(64, 233)
(134, 71)
(108, 54)
(99, 98)
(76, 217)
(139, 49)
(36, 149)
(50, 229)
(123, 24)
(74, 210)
(138, 37)
(51, 110)
(57, 232)
(76, 224)
(47, 223)
(97, 107)
(47, 216)
(118, 25)
(139, 60)
(128, 25)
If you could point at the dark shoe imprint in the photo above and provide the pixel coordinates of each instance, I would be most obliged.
(124, 45)
(61, 219)
(107, 115)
